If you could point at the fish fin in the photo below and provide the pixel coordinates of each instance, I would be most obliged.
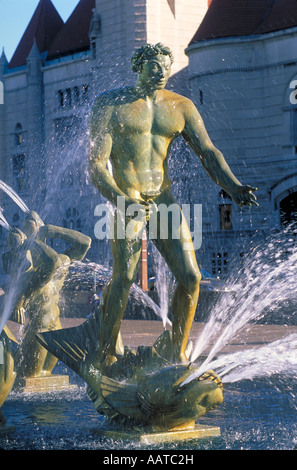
(6, 333)
(73, 345)
(146, 407)
(100, 404)
(121, 396)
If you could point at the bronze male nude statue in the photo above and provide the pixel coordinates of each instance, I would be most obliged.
(133, 128)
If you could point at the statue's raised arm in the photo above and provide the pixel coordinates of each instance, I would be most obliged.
(78, 243)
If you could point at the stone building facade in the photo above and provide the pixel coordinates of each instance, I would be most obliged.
(243, 75)
(49, 86)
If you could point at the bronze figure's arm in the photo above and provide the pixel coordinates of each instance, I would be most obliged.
(79, 243)
(212, 159)
(100, 150)
(45, 262)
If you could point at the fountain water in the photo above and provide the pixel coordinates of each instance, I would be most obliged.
(278, 357)
(142, 297)
(259, 410)
(14, 196)
(265, 287)
(162, 282)
(10, 295)
(88, 276)
(258, 286)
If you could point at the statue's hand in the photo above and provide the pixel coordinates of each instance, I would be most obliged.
(133, 205)
(243, 196)
(19, 316)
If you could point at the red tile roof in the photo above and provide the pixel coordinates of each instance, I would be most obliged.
(44, 25)
(227, 18)
(74, 35)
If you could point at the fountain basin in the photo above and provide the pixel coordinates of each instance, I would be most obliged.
(257, 414)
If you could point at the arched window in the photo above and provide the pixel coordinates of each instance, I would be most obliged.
(283, 196)
(72, 219)
(288, 209)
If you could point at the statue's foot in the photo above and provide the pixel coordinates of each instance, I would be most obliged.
(180, 359)
(44, 373)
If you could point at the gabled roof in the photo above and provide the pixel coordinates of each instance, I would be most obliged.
(44, 25)
(229, 18)
(74, 35)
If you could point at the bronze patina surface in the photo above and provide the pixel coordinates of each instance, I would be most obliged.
(133, 128)
(37, 273)
(7, 372)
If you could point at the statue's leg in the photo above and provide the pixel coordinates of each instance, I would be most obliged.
(31, 355)
(49, 364)
(50, 360)
(126, 254)
(7, 367)
(178, 252)
(32, 359)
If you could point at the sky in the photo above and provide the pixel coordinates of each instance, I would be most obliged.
(15, 16)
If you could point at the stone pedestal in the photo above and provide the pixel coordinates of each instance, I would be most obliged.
(196, 432)
(43, 384)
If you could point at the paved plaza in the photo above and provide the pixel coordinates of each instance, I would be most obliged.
(145, 332)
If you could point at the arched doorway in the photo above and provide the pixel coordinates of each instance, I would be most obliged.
(288, 209)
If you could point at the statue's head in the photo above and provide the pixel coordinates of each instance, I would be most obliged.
(15, 239)
(153, 64)
(18, 252)
(32, 223)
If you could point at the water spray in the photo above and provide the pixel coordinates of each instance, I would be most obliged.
(3, 222)
(16, 198)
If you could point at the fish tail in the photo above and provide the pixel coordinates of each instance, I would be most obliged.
(73, 345)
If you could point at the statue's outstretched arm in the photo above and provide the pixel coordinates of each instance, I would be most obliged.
(79, 243)
(212, 159)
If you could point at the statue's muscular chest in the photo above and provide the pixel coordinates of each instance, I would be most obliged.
(147, 117)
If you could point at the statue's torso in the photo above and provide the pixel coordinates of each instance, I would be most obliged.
(142, 131)
(43, 304)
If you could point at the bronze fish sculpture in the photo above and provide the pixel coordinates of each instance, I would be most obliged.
(158, 401)
(143, 388)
